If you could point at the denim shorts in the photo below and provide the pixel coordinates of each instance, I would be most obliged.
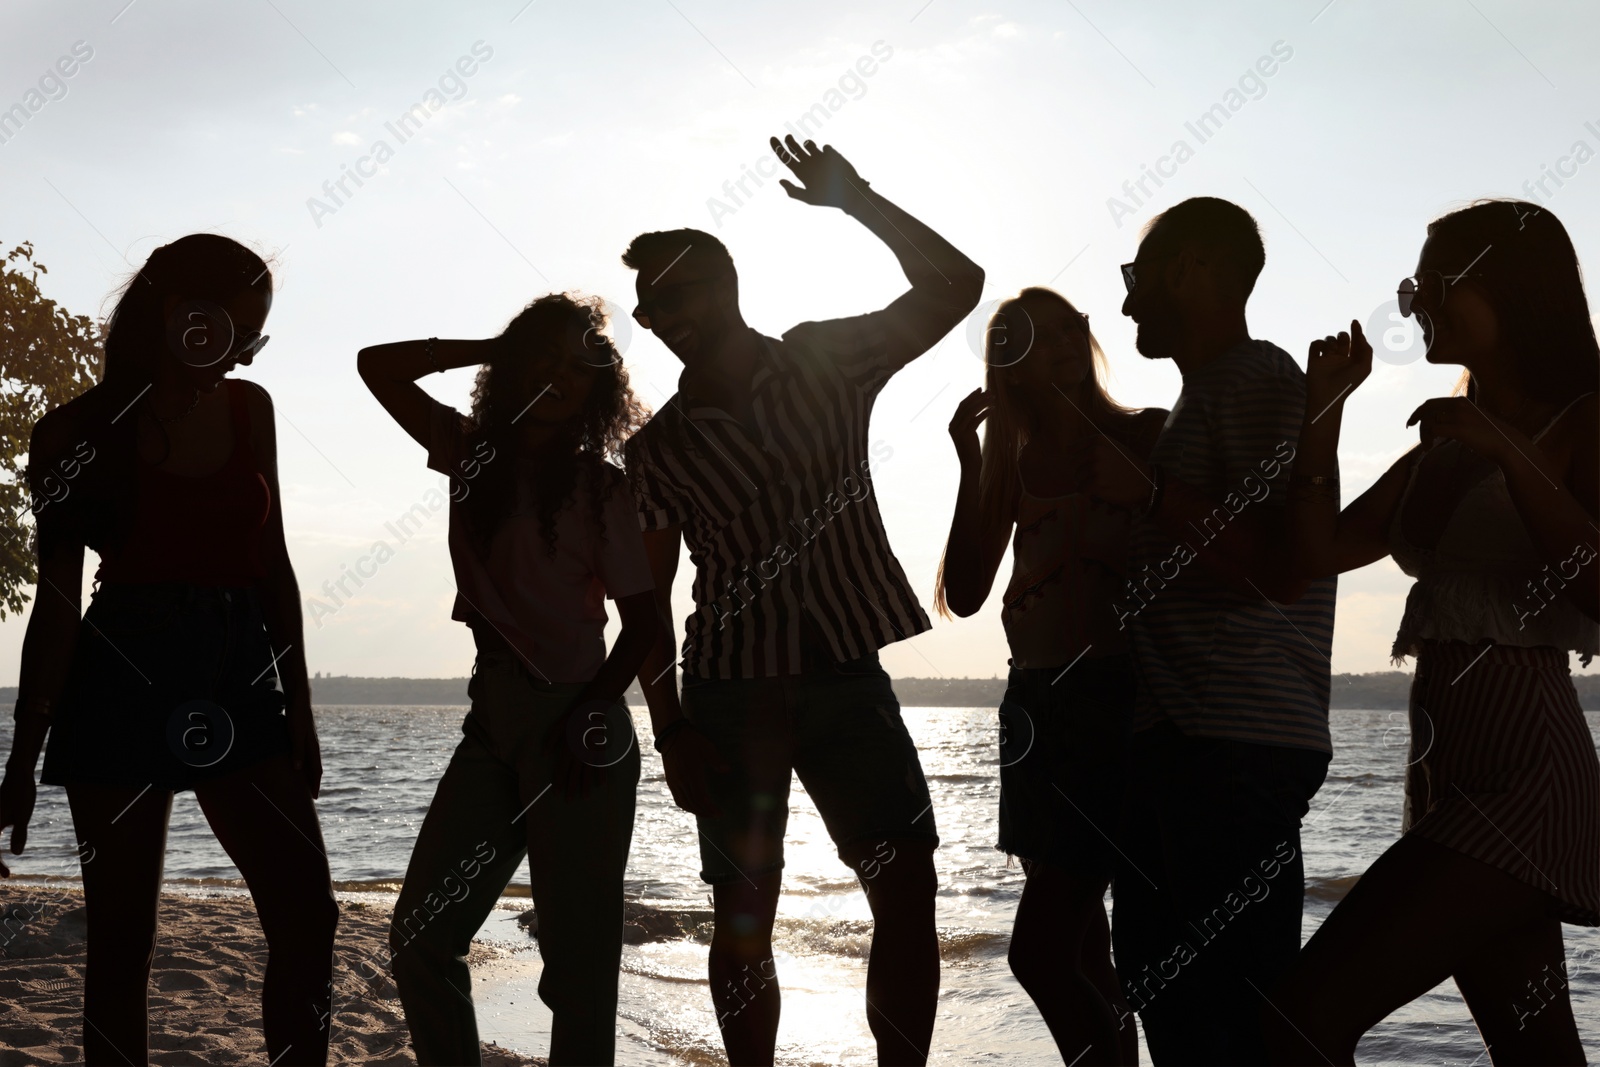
(171, 684)
(1064, 736)
(839, 728)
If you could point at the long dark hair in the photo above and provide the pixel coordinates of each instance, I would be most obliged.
(202, 266)
(1005, 427)
(1521, 255)
(566, 323)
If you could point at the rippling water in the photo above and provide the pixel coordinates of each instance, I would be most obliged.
(382, 762)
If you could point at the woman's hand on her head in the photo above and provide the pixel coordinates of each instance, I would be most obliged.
(969, 414)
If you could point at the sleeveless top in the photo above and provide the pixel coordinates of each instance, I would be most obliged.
(1069, 558)
(1486, 578)
(205, 529)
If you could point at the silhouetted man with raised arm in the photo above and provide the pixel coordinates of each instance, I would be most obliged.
(760, 461)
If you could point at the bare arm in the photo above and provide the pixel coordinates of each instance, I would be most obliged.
(1324, 540)
(641, 626)
(391, 372)
(1559, 512)
(658, 674)
(945, 284)
(1557, 498)
(279, 594)
(588, 748)
(47, 644)
(689, 757)
(976, 544)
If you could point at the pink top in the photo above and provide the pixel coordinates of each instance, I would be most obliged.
(550, 609)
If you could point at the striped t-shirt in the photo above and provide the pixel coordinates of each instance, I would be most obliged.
(1215, 662)
(780, 517)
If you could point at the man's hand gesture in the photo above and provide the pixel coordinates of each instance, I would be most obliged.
(829, 179)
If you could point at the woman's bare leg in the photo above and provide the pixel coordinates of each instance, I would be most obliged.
(264, 817)
(1059, 930)
(1421, 913)
(122, 843)
(1517, 992)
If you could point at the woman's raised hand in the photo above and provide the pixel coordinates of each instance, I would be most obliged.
(1335, 366)
(964, 426)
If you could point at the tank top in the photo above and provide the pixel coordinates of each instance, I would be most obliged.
(1485, 578)
(1069, 559)
(205, 529)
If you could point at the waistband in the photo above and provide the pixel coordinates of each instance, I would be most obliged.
(119, 589)
(866, 666)
(1119, 663)
(1443, 654)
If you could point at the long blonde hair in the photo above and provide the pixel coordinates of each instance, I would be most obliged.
(1005, 427)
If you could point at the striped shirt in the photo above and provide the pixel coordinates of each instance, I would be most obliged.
(780, 517)
(1216, 662)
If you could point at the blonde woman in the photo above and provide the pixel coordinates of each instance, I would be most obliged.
(1067, 714)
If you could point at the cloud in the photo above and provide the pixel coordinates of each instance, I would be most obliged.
(346, 137)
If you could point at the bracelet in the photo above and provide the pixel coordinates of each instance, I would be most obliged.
(1314, 485)
(667, 733)
(433, 362)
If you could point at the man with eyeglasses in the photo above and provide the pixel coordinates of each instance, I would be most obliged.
(761, 463)
(1232, 651)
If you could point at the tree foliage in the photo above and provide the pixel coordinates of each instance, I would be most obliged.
(47, 356)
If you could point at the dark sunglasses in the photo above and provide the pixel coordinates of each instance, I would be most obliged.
(250, 344)
(1430, 287)
(666, 300)
(1127, 276)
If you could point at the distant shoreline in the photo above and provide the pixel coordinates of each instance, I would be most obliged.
(1383, 691)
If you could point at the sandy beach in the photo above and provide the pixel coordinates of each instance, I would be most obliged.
(205, 985)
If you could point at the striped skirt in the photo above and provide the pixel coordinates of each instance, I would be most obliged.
(1503, 768)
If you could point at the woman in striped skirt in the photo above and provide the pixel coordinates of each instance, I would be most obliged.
(1494, 516)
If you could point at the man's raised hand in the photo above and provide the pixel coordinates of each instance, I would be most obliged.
(828, 178)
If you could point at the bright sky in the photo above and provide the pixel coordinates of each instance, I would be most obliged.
(1021, 131)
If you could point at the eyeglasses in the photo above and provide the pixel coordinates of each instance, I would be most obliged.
(1127, 277)
(1430, 287)
(666, 300)
(250, 344)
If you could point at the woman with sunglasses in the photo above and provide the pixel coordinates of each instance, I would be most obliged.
(167, 469)
(1067, 715)
(1494, 516)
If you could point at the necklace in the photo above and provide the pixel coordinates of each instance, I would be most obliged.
(192, 405)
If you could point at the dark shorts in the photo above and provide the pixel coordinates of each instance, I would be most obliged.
(1064, 737)
(170, 684)
(839, 729)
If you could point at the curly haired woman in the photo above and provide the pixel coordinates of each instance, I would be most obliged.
(542, 531)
